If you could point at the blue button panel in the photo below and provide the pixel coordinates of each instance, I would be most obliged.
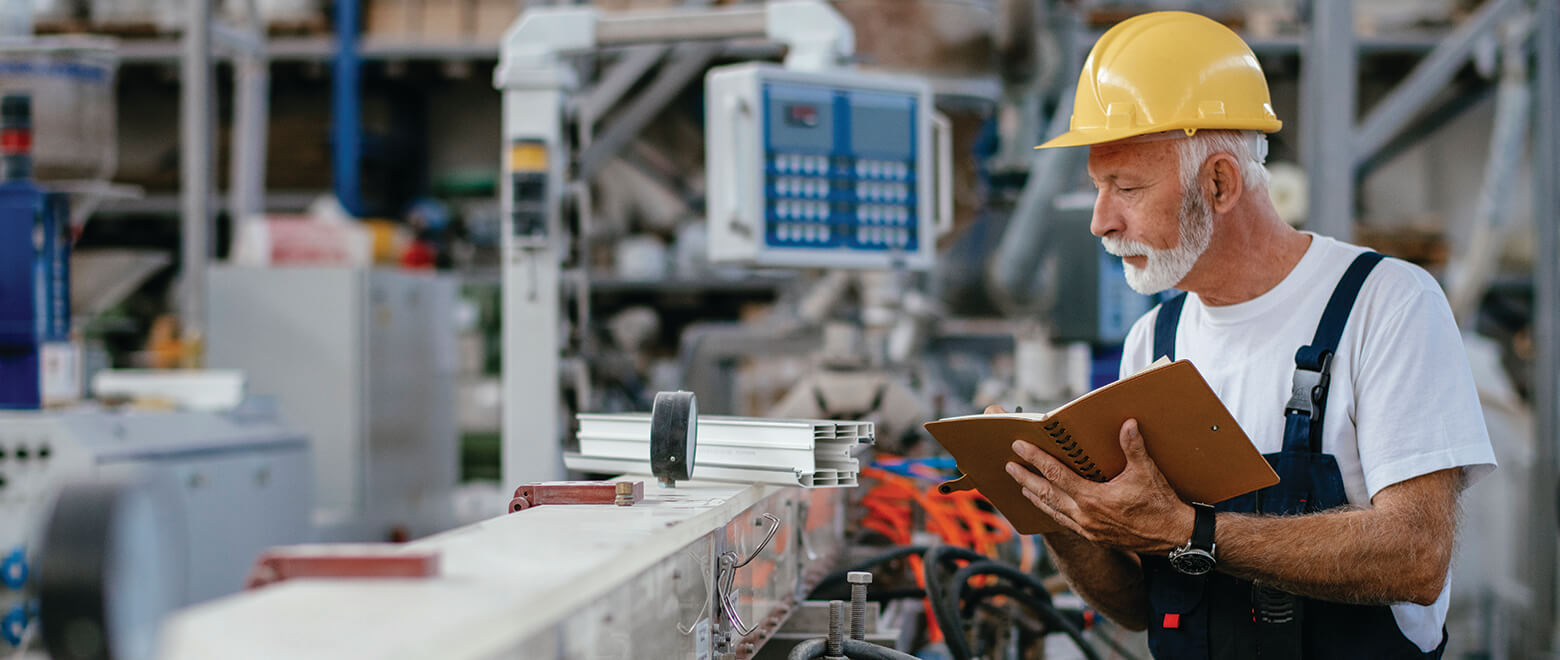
(840, 169)
(13, 570)
(13, 625)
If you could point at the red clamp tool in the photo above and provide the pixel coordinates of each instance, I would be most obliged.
(621, 493)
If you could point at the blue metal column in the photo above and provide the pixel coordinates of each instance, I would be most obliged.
(346, 122)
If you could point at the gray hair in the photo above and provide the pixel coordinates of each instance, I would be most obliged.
(1249, 148)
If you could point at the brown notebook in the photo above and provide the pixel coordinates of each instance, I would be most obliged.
(1202, 452)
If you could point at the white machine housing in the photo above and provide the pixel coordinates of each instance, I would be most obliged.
(824, 169)
(245, 482)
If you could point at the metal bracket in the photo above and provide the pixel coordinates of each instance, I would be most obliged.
(725, 586)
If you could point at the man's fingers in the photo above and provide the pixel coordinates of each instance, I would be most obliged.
(1036, 485)
(1058, 516)
(994, 409)
(1048, 465)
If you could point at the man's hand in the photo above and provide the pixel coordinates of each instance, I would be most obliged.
(1137, 511)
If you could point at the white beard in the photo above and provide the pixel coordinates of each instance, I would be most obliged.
(1166, 268)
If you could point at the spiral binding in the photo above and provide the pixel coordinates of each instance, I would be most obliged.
(1081, 463)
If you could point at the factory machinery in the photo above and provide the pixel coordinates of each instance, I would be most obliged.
(720, 529)
(208, 468)
(684, 568)
(715, 537)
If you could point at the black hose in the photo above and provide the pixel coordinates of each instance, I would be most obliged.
(890, 595)
(947, 615)
(813, 649)
(808, 650)
(1040, 601)
(973, 597)
(837, 578)
(870, 563)
(949, 621)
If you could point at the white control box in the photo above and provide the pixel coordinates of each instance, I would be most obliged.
(824, 170)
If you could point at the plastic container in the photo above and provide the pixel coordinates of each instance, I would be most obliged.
(71, 80)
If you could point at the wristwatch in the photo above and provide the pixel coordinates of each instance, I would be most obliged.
(1196, 557)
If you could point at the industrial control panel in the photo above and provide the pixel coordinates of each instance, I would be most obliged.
(824, 170)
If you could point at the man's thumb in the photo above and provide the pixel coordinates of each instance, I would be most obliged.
(1132, 442)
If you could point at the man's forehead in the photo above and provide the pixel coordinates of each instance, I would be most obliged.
(1130, 154)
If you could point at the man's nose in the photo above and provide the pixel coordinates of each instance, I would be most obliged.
(1105, 220)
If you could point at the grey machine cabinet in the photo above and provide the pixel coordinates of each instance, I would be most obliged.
(364, 362)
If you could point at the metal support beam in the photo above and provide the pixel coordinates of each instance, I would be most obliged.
(1014, 275)
(1456, 105)
(633, 65)
(680, 24)
(1329, 86)
(251, 109)
(1432, 74)
(196, 108)
(687, 63)
(1509, 138)
(1546, 373)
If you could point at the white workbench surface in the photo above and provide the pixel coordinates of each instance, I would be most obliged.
(503, 582)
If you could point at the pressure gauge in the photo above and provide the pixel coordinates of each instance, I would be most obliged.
(674, 431)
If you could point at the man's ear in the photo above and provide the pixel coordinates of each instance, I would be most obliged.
(1225, 183)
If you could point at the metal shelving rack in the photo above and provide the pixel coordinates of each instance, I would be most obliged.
(319, 49)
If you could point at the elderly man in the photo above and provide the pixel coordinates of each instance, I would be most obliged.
(1346, 370)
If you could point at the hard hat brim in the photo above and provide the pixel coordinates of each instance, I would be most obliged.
(1082, 138)
(1079, 137)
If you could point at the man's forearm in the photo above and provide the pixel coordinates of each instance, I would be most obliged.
(1111, 581)
(1367, 556)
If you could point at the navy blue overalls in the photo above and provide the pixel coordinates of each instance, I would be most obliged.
(1217, 616)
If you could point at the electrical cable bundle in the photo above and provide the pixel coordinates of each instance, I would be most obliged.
(964, 519)
(953, 599)
(961, 577)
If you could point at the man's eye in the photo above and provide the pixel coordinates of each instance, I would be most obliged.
(1122, 189)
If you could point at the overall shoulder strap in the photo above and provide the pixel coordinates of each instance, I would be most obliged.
(1336, 314)
(1313, 362)
(1165, 323)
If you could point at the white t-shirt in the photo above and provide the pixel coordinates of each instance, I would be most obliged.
(1402, 401)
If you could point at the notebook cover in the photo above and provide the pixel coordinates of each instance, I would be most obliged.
(1203, 453)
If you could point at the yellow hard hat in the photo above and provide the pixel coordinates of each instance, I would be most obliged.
(1164, 71)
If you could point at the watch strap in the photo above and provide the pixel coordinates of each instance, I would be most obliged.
(1202, 527)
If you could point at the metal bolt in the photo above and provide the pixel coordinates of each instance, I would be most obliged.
(625, 494)
(858, 603)
(835, 647)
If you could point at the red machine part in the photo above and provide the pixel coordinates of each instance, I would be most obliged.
(621, 493)
(341, 561)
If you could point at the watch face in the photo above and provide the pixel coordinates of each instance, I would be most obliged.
(1192, 562)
